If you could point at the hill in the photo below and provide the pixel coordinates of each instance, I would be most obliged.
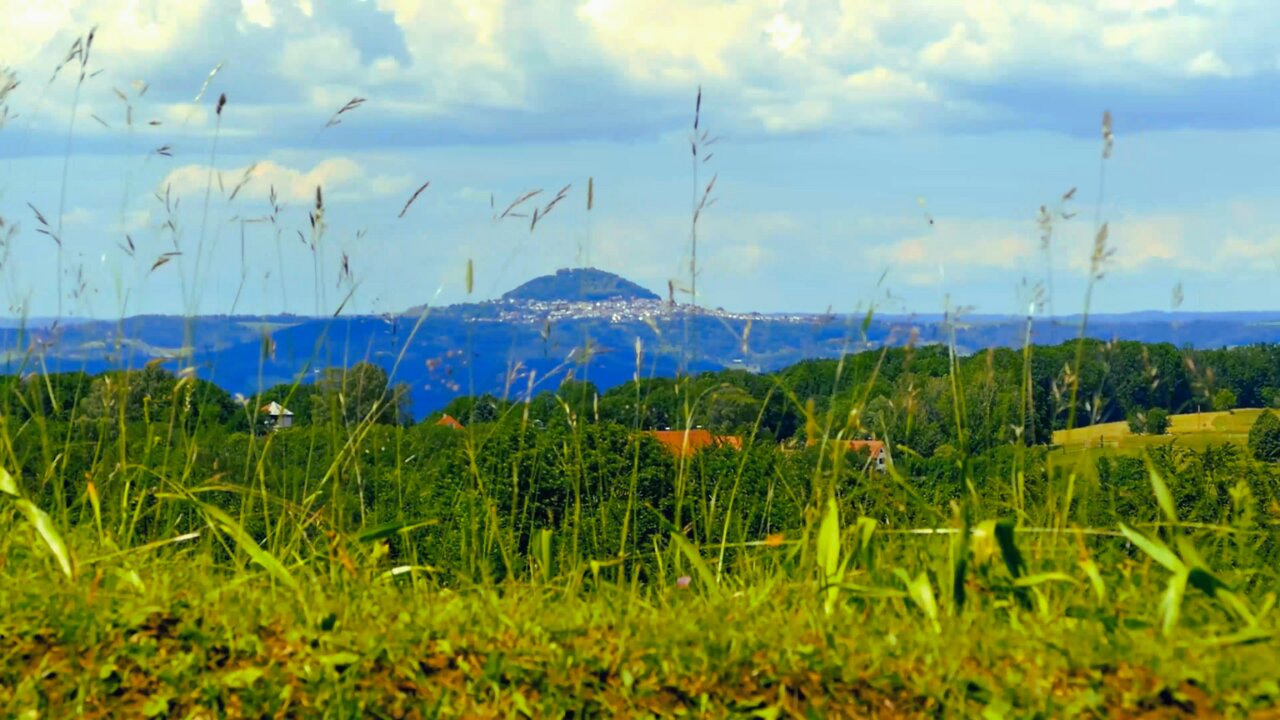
(580, 285)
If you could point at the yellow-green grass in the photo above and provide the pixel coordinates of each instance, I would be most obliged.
(1195, 430)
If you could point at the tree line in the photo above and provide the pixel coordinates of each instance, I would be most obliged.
(922, 398)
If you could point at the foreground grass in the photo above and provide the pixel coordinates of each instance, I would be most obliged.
(177, 637)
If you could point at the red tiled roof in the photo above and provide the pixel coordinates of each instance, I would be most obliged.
(447, 420)
(698, 439)
(873, 447)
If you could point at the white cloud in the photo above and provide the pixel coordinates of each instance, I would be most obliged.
(956, 246)
(341, 179)
(1208, 64)
(1244, 253)
(258, 12)
(786, 35)
(506, 67)
(672, 41)
(796, 116)
(881, 83)
(958, 53)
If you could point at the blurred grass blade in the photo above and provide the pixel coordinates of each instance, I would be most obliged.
(1163, 496)
(1095, 578)
(544, 553)
(1157, 550)
(921, 593)
(1027, 581)
(873, 591)
(865, 529)
(8, 485)
(1210, 584)
(960, 549)
(143, 548)
(1171, 603)
(695, 558)
(404, 570)
(43, 524)
(1248, 636)
(1009, 548)
(249, 545)
(828, 556)
(392, 528)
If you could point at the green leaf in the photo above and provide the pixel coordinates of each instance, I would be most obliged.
(1009, 548)
(921, 593)
(865, 528)
(1157, 550)
(1095, 578)
(340, 658)
(1205, 581)
(521, 703)
(44, 527)
(242, 678)
(1171, 603)
(8, 485)
(829, 552)
(873, 591)
(1247, 636)
(959, 564)
(1027, 581)
(1163, 496)
(1188, 552)
(1212, 585)
(389, 529)
(156, 705)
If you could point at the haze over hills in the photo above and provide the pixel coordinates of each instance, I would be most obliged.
(582, 321)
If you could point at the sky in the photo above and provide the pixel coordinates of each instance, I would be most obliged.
(864, 153)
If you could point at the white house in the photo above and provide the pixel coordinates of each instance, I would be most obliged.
(277, 415)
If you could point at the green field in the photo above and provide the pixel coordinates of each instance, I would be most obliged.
(1195, 430)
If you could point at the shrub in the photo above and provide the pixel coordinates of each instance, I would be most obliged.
(1152, 422)
(1264, 437)
(1157, 421)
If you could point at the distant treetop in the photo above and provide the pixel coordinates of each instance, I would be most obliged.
(580, 285)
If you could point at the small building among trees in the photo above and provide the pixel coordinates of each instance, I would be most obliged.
(276, 415)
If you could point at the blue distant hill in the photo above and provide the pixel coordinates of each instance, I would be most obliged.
(504, 347)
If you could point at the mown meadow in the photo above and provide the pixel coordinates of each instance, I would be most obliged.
(165, 553)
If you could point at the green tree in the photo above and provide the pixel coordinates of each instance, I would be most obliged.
(361, 391)
(731, 409)
(1264, 437)
(1157, 421)
(1270, 397)
(1224, 400)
